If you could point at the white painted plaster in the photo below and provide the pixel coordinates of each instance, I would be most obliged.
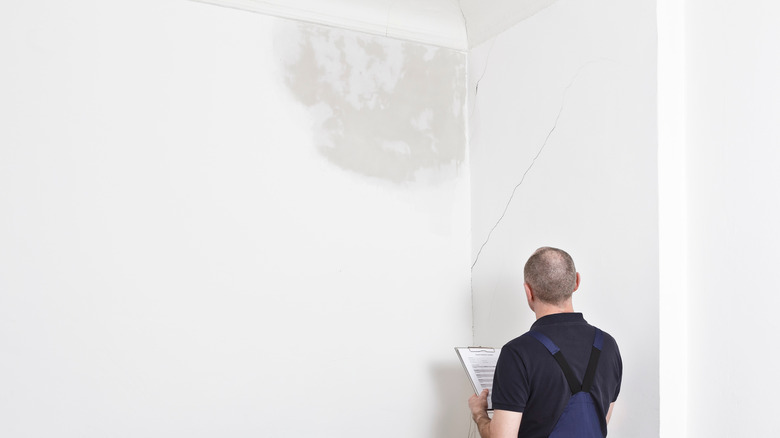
(733, 154)
(484, 20)
(563, 153)
(177, 258)
(672, 217)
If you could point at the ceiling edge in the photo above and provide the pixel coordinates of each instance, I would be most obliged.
(448, 32)
(486, 23)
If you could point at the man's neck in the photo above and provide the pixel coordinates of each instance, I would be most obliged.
(543, 309)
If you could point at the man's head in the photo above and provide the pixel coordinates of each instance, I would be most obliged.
(551, 276)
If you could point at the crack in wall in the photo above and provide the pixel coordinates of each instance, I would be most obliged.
(465, 24)
(470, 133)
(530, 166)
(482, 76)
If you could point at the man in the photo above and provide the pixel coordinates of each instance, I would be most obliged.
(530, 390)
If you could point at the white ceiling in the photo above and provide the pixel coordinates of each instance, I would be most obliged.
(458, 24)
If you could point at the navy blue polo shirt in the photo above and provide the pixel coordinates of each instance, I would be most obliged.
(529, 380)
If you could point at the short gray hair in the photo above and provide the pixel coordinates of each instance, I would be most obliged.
(551, 274)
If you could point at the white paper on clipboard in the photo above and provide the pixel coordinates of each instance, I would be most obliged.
(480, 364)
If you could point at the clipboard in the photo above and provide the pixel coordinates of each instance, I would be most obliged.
(479, 364)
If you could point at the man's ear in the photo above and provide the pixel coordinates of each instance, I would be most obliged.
(577, 284)
(529, 295)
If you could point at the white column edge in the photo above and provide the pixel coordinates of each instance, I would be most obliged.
(672, 206)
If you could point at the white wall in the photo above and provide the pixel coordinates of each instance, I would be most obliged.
(733, 155)
(672, 220)
(186, 248)
(584, 74)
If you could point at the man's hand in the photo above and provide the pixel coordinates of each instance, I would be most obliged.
(478, 405)
(504, 424)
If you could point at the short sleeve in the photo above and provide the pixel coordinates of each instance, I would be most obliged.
(619, 377)
(510, 382)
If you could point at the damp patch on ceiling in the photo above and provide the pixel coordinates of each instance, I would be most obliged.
(380, 107)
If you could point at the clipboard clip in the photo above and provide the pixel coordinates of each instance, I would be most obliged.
(490, 349)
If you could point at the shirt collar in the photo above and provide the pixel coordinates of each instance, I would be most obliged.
(559, 318)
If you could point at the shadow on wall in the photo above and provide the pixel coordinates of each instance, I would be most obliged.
(380, 107)
(452, 390)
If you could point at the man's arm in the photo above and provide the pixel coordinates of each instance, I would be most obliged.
(505, 424)
(609, 412)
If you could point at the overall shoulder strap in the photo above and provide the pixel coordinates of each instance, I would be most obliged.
(590, 372)
(574, 385)
(595, 352)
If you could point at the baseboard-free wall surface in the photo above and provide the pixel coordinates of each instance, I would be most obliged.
(194, 238)
(214, 222)
(732, 97)
(563, 153)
